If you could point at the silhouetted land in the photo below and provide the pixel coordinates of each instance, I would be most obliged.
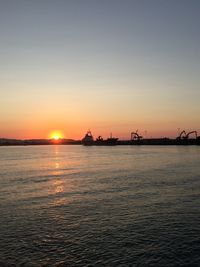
(17, 142)
(150, 141)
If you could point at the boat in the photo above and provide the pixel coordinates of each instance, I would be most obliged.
(112, 141)
(88, 140)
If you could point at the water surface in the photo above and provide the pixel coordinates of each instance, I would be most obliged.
(100, 206)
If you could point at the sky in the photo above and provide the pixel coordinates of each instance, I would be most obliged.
(104, 65)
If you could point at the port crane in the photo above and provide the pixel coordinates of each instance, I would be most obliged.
(192, 132)
(185, 136)
(136, 136)
(182, 135)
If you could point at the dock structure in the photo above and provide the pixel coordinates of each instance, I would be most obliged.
(184, 138)
(137, 139)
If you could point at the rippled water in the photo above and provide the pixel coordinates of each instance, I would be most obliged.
(99, 206)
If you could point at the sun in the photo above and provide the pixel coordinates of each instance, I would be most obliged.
(56, 135)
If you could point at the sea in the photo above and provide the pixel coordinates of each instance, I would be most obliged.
(70, 205)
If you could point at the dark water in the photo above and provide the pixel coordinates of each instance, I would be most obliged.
(99, 206)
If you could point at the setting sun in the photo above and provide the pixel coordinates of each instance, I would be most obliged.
(56, 135)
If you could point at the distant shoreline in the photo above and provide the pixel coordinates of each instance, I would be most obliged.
(150, 141)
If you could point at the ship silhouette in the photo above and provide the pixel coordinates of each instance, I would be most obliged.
(88, 140)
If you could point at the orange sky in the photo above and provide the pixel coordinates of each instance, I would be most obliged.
(108, 67)
(77, 129)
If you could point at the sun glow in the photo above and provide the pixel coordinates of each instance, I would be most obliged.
(56, 135)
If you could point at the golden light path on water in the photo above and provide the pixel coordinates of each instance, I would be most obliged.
(60, 184)
(99, 206)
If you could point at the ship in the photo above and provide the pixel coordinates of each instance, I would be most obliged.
(88, 140)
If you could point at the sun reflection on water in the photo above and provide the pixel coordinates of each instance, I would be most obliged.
(58, 185)
(57, 165)
(61, 183)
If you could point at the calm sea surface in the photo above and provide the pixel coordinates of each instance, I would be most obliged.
(100, 206)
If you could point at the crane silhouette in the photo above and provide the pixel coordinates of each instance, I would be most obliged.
(182, 135)
(136, 136)
(192, 132)
(185, 136)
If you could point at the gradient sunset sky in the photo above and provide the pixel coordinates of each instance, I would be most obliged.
(105, 65)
